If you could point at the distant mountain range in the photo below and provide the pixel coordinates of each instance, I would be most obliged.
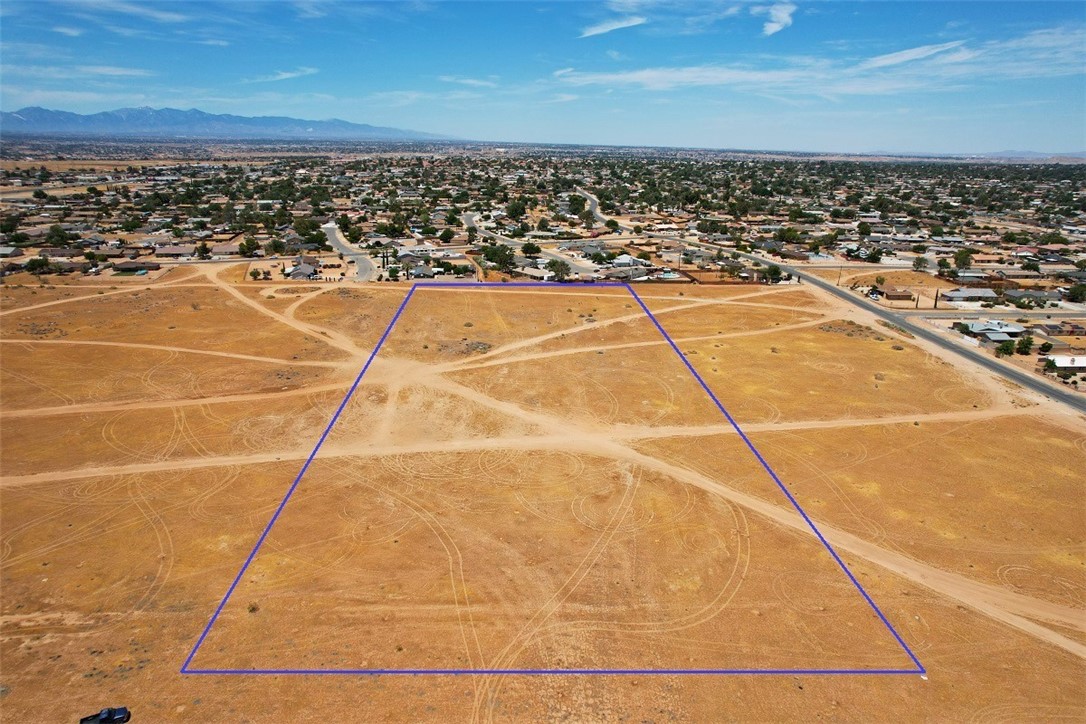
(173, 123)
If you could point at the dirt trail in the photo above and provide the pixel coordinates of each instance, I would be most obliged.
(95, 407)
(185, 350)
(601, 440)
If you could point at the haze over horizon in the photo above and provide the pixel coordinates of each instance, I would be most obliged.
(819, 76)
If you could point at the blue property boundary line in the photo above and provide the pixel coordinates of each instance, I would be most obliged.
(185, 669)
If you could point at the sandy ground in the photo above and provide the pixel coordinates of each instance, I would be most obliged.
(524, 479)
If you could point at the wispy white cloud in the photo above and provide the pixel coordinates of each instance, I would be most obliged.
(283, 75)
(70, 32)
(608, 26)
(112, 70)
(563, 98)
(310, 9)
(779, 16)
(956, 65)
(214, 42)
(146, 11)
(54, 72)
(668, 78)
(905, 56)
(472, 82)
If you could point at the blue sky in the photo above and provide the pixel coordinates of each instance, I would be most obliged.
(819, 76)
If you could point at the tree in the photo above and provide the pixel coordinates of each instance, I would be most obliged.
(1031, 266)
(963, 258)
(790, 234)
(248, 247)
(559, 268)
(1077, 294)
(1005, 349)
(1025, 345)
(447, 235)
(516, 209)
(920, 264)
(275, 246)
(638, 229)
(1045, 348)
(576, 204)
(500, 256)
(531, 249)
(774, 273)
(38, 265)
(203, 251)
(255, 274)
(644, 256)
(863, 228)
(542, 224)
(57, 235)
(611, 224)
(473, 234)
(1050, 365)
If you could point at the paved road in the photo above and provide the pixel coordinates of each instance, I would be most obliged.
(577, 266)
(1025, 379)
(1073, 399)
(365, 269)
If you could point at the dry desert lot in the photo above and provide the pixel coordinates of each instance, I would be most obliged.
(527, 508)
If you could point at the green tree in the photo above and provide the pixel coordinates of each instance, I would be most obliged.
(1077, 293)
(1045, 348)
(638, 229)
(203, 251)
(1025, 345)
(516, 209)
(1005, 349)
(774, 273)
(863, 228)
(531, 249)
(920, 264)
(447, 235)
(1050, 365)
(559, 268)
(56, 235)
(576, 204)
(611, 224)
(473, 234)
(255, 274)
(248, 247)
(963, 258)
(38, 265)
(1031, 266)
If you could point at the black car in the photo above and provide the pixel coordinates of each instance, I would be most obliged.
(108, 716)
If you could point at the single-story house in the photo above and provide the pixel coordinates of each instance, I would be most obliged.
(1067, 363)
(1035, 295)
(421, 271)
(995, 330)
(175, 251)
(895, 294)
(7, 252)
(125, 266)
(980, 294)
(300, 271)
(543, 275)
